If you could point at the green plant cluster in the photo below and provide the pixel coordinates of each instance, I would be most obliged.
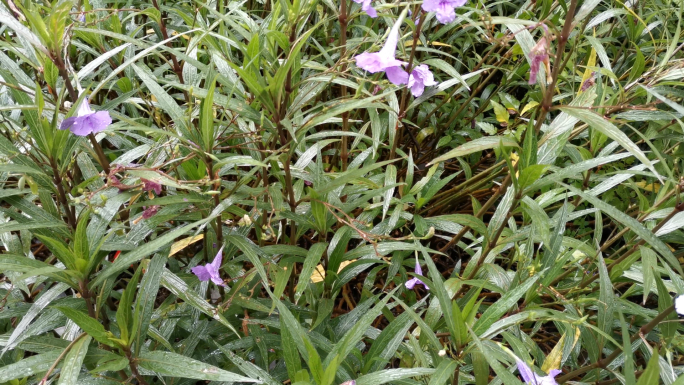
(524, 210)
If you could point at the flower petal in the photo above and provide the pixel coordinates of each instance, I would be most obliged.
(397, 75)
(84, 108)
(67, 123)
(201, 273)
(446, 13)
(216, 264)
(411, 283)
(431, 5)
(417, 88)
(525, 372)
(99, 121)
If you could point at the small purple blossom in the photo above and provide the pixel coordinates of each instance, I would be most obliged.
(420, 77)
(86, 122)
(383, 59)
(149, 211)
(210, 271)
(366, 7)
(532, 378)
(415, 281)
(444, 9)
(82, 17)
(538, 55)
(150, 185)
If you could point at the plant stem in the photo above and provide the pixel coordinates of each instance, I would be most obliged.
(57, 179)
(134, 367)
(558, 64)
(399, 129)
(343, 19)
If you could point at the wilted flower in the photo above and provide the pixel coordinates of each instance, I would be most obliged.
(366, 7)
(538, 55)
(532, 378)
(86, 121)
(420, 77)
(150, 185)
(589, 82)
(383, 59)
(149, 211)
(444, 9)
(415, 281)
(210, 271)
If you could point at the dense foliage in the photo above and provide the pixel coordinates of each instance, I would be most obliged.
(297, 192)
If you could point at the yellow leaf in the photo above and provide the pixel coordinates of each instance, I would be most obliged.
(529, 106)
(654, 187)
(501, 112)
(587, 72)
(553, 360)
(409, 43)
(183, 243)
(319, 273)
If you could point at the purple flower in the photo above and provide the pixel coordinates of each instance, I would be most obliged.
(539, 55)
(366, 7)
(421, 77)
(445, 9)
(532, 378)
(383, 59)
(87, 121)
(149, 185)
(415, 281)
(210, 270)
(149, 211)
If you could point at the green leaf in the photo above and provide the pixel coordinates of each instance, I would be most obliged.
(444, 371)
(350, 175)
(608, 129)
(293, 363)
(354, 335)
(175, 365)
(630, 378)
(390, 375)
(81, 248)
(651, 375)
(500, 307)
(313, 257)
(606, 305)
(649, 261)
(124, 319)
(125, 260)
(178, 287)
(633, 224)
(29, 366)
(36, 308)
(386, 344)
(88, 325)
(207, 116)
(60, 251)
(531, 174)
(144, 304)
(71, 367)
(476, 145)
(669, 327)
(319, 212)
(248, 368)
